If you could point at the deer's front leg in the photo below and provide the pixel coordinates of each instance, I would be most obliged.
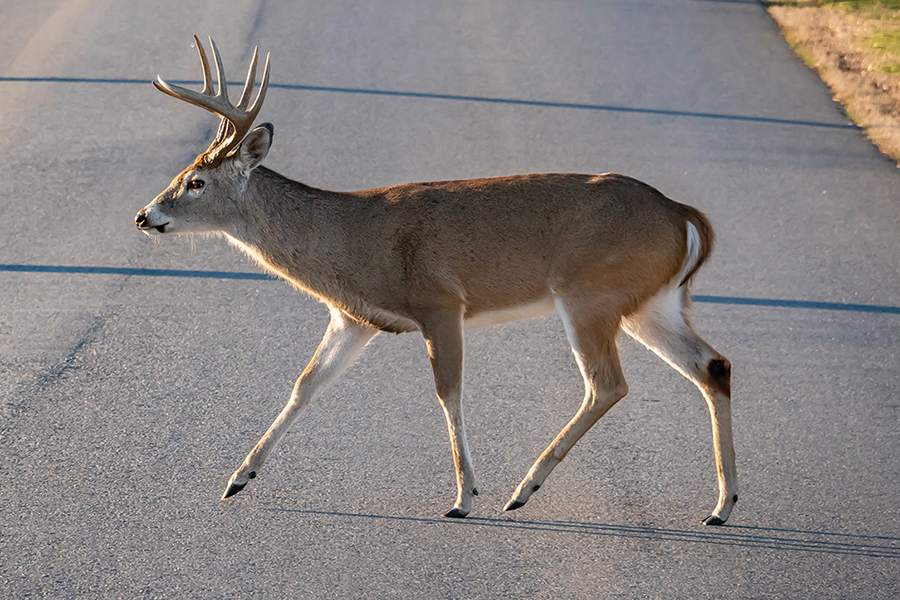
(444, 338)
(343, 342)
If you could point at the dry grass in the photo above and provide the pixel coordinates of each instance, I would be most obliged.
(855, 47)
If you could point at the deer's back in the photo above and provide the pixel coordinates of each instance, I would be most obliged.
(489, 242)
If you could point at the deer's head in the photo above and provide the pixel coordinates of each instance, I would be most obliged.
(206, 195)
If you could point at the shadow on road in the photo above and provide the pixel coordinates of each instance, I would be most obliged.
(743, 536)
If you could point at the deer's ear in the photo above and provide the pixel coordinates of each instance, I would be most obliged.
(255, 147)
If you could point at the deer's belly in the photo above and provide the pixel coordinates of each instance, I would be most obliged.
(515, 313)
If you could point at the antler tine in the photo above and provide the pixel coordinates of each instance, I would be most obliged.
(204, 64)
(263, 87)
(249, 82)
(220, 73)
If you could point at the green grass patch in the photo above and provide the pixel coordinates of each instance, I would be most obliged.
(864, 5)
(886, 9)
(887, 42)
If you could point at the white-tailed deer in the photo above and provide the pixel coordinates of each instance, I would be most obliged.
(607, 251)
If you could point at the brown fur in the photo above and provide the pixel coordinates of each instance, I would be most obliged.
(465, 243)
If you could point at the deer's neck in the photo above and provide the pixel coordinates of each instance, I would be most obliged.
(294, 231)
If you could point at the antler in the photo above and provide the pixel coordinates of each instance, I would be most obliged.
(236, 119)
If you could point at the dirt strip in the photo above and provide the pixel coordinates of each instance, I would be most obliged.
(853, 52)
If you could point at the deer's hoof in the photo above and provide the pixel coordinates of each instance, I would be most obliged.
(456, 513)
(513, 505)
(713, 520)
(233, 489)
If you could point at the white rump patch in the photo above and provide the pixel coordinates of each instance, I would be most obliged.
(666, 308)
(693, 253)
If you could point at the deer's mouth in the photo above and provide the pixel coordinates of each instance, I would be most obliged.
(154, 229)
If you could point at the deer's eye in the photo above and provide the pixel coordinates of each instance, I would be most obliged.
(195, 184)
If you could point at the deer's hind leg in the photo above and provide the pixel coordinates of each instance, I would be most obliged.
(661, 325)
(592, 334)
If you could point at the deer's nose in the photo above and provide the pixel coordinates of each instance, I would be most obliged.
(140, 220)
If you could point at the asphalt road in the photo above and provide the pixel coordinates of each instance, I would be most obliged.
(135, 377)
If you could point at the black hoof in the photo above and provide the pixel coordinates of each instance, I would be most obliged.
(233, 489)
(455, 514)
(711, 520)
(513, 505)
